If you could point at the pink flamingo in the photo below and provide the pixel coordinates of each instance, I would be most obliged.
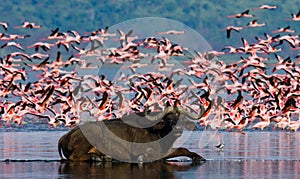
(265, 6)
(4, 25)
(30, 25)
(243, 14)
(283, 29)
(262, 124)
(231, 28)
(255, 24)
(296, 17)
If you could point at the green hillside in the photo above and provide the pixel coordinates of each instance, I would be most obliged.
(206, 17)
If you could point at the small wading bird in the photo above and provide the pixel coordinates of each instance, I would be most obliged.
(220, 146)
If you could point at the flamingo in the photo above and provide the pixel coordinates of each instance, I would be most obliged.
(255, 24)
(103, 32)
(231, 28)
(246, 45)
(44, 45)
(38, 55)
(294, 125)
(291, 39)
(10, 37)
(39, 66)
(269, 39)
(4, 25)
(163, 56)
(295, 17)
(52, 120)
(283, 123)
(289, 105)
(283, 29)
(55, 35)
(14, 54)
(64, 43)
(272, 49)
(242, 124)
(95, 39)
(230, 50)
(103, 106)
(41, 106)
(265, 6)
(13, 44)
(126, 38)
(68, 39)
(243, 14)
(262, 124)
(30, 25)
(175, 32)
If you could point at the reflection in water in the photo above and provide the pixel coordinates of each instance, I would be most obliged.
(122, 170)
(250, 169)
(29, 145)
(29, 169)
(253, 154)
(210, 169)
(254, 145)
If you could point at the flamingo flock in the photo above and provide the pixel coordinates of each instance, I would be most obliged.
(43, 80)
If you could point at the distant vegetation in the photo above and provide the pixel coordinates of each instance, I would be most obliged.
(206, 17)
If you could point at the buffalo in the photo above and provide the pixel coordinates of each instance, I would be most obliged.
(136, 138)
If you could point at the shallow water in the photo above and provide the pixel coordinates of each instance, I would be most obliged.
(255, 154)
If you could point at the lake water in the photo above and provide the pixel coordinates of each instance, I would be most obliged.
(32, 153)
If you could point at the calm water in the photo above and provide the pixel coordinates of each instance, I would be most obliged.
(255, 154)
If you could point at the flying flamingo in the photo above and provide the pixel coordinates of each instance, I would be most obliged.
(230, 28)
(15, 54)
(262, 124)
(176, 32)
(102, 32)
(52, 120)
(283, 29)
(13, 44)
(9, 37)
(30, 25)
(265, 6)
(296, 17)
(55, 35)
(243, 14)
(242, 124)
(255, 24)
(4, 25)
(43, 45)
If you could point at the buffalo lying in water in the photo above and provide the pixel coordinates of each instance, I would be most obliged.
(135, 138)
